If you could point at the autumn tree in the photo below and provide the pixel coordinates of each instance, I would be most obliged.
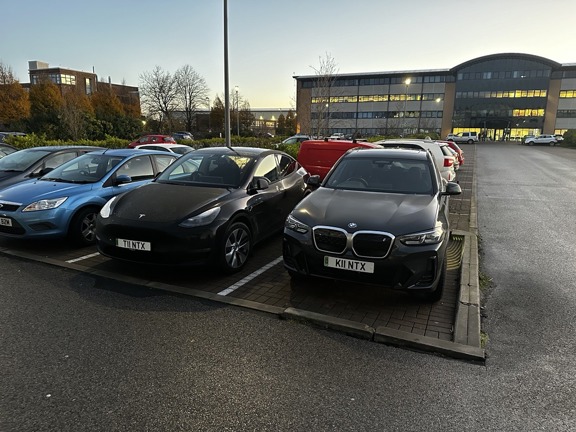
(246, 118)
(14, 102)
(159, 94)
(46, 104)
(192, 93)
(217, 115)
(290, 123)
(75, 115)
(281, 125)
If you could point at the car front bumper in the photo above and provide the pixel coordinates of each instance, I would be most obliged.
(409, 268)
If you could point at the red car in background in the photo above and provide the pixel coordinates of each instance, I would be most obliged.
(152, 139)
(457, 149)
(318, 156)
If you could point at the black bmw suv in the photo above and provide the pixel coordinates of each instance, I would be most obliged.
(379, 217)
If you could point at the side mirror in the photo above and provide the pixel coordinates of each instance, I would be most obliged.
(122, 178)
(258, 183)
(42, 172)
(313, 181)
(452, 189)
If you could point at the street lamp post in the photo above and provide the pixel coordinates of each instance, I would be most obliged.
(407, 83)
(237, 111)
(207, 99)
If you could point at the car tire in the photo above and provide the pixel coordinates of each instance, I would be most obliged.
(552, 144)
(530, 143)
(82, 230)
(235, 247)
(434, 296)
(470, 141)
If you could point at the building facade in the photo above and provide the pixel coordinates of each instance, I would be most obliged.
(79, 81)
(504, 96)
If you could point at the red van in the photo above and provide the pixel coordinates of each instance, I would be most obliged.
(318, 156)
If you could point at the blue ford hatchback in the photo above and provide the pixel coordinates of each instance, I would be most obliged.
(65, 201)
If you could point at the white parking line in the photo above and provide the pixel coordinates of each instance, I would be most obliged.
(83, 258)
(248, 278)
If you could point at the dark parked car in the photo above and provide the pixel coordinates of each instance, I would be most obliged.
(6, 149)
(211, 206)
(4, 135)
(37, 161)
(379, 217)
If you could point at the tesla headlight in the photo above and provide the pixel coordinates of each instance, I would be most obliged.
(424, 238)
(46, 204)
(107, 209)
(202, 219)
(295, 225)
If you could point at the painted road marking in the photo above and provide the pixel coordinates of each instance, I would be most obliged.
(248, 278)
(83, 258)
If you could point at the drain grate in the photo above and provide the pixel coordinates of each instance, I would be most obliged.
(454, 252)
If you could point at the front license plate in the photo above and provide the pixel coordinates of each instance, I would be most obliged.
(347, 264)
(134, 245)
(6, 222)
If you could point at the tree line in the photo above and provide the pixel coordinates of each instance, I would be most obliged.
(170, 101)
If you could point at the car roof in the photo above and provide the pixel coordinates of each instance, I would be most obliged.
(165, 145)
(63, 147)
(242, 151)
(124, 152)
(395, 153)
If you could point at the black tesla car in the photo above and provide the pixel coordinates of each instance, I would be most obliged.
(211, 206)
(379, 217)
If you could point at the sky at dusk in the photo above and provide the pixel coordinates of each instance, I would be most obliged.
(270, 41)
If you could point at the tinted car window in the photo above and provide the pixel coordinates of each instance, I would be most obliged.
(139, 168)
(22, 160)
(382, 175)
(86, 169)
(286, 165)
(267, 168)
(162, 162)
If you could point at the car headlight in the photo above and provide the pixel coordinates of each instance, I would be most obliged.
(295, 225)
(107, 209)
(423, 238)
(46, 204)
(202, 219)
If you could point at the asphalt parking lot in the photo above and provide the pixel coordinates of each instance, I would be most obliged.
(450, 326)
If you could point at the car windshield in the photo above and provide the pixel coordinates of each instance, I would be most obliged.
(406, 176)
(88, 168)
(209, 169)
(22, 160)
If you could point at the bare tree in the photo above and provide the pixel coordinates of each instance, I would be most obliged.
(6, 74)
(159, 92)
(324, 90)
(192, 92)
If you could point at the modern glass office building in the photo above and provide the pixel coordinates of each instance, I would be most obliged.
(504, 96)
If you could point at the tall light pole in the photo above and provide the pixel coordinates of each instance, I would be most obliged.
(237, 110)
(226, 80)
(407, 82)
(207, 99)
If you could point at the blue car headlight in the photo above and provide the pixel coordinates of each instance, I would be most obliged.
(45, 204)
(204, 218)
(294, 224)
(424, 238)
